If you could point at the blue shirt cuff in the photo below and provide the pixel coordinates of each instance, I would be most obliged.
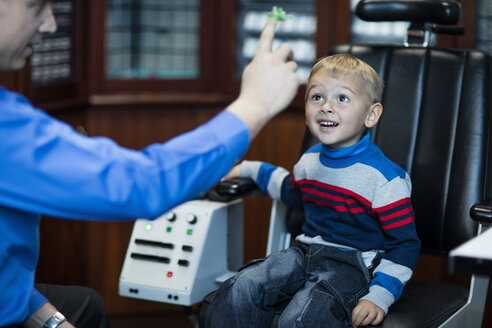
(36, 301)
(231, 131)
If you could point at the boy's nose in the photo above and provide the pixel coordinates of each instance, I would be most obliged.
(327, 108)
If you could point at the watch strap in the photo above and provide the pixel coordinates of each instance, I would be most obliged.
(54, 321)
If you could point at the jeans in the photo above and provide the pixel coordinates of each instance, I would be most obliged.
(321, 285)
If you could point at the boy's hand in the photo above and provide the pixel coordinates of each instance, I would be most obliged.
(367, 313)
(233, 173)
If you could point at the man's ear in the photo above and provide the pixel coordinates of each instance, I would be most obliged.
(373, 115)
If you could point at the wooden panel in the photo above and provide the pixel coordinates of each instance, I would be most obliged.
(334, 19)
(15, 81)
(63, 252)
(468, 21)
(8, 80)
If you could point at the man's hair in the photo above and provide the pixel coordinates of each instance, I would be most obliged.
(345, 64)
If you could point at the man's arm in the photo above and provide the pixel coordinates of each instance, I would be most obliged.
(122, 183)
(42, 315)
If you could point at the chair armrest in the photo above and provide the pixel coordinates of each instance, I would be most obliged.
(482, 211)
(234, 188)
(278, 234)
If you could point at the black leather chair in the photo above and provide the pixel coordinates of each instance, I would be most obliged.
(437, 125)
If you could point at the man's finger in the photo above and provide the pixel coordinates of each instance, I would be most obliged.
(266, 37)
(284, 51)
(292, 66)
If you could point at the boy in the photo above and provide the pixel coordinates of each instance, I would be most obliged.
(359, 244)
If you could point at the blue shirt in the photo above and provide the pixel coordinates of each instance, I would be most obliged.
(48, 168)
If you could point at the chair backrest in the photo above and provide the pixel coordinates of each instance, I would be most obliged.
(437, 125)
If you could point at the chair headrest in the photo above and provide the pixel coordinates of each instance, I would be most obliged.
(414, 11)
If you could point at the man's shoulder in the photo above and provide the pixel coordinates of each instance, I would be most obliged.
(9, 99)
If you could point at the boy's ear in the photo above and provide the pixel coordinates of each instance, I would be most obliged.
(373, 115)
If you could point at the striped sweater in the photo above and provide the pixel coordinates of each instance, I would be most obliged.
(353, 198)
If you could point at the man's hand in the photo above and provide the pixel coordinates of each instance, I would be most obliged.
(233, 173)
(367, 313)
(269, 82)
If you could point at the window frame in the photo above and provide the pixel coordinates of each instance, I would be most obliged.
(209, 58)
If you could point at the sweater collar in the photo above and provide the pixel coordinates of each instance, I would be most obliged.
(347, 152)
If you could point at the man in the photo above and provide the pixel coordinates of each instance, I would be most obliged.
(48, 168)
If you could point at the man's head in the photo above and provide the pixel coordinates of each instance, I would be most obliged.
(342, 100)
(21, 23)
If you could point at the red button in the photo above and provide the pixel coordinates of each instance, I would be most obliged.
(169, 274)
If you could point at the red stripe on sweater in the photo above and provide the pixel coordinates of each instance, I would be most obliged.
(398, 224)
(393, 205)
(338, 208)
(334, 188)
(328, 195)
(395, 214)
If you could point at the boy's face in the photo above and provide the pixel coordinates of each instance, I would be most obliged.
(20, 22)
(337, 110)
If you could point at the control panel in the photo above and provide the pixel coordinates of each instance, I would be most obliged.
(181, 256)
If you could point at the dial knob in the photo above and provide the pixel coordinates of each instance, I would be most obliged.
(191, 218)
(171, 216)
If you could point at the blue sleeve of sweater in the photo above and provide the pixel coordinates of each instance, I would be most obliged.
(275, 181)
(402, 243)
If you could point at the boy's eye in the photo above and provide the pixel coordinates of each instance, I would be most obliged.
(343, 98)
(316, 97)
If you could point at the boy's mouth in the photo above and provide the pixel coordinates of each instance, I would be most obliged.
(328, 124)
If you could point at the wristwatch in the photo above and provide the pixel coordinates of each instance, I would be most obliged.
(54, 321)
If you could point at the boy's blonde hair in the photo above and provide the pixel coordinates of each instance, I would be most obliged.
(345, 64)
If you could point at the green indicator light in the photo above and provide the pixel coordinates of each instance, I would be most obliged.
(148, 226)
(169, 229)
(189, 232)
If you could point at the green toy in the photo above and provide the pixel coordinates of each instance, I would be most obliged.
(278, 14)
